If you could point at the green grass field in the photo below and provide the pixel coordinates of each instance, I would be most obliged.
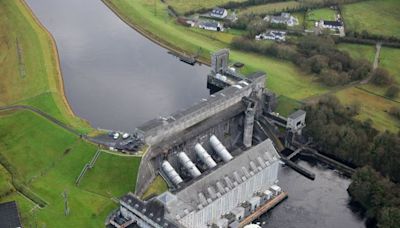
(372, 107)
(286, 106)
(48, 162)
(110, 173)
(359, 51)
(380, 17)
(270, 7)
(183, 6)
(390, 59)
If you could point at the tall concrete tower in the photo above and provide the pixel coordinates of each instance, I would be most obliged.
(220, 61)
(249, 125)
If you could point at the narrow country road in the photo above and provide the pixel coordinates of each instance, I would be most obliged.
(375, 64)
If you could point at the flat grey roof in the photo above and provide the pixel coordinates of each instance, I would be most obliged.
(9, 216)
(223, 94)
(297, 114)
(188, 196)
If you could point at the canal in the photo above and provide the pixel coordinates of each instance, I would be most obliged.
(117, 79)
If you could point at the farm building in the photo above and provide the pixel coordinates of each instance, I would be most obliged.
(284, 18)
(332, 24)
(272, 35)
(219, 13)
(211, 25)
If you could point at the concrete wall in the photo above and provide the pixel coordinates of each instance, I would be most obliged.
(157, 134)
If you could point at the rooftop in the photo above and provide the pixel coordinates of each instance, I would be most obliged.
(187, 198)
(9, 216)
(152, 209)
(297, 114)
(333, 23)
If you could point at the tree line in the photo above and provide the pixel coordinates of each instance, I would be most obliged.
(313, 54)
(375, 187)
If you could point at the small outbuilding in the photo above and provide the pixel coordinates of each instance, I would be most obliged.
(219, 13)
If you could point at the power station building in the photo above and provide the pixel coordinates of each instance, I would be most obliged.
(219, 165)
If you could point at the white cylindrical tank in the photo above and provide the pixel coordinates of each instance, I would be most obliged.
(204, 156)
(252, 226)
(189, 165)
(171, 173)
(220, 149)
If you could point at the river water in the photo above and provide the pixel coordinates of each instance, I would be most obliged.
(114, 77)
(117, 79)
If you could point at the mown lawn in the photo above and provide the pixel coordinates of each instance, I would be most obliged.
(390, 60)
(49, 159)
(112, 175)
(380, 17)
(29, 71)
(183, 6)
(359, 51)
(270, 7)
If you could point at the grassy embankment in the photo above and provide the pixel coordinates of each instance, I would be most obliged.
(379, 17)
(157, 187)
(41, 156)
(183, 6)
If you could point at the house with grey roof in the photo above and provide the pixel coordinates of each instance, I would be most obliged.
(283, 18)
(219, 13)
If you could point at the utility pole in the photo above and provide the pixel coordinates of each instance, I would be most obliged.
(66, 207)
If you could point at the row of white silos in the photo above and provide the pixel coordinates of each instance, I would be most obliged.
(204, 156)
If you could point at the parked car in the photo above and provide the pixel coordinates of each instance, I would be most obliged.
(116, 135)
(126, 135)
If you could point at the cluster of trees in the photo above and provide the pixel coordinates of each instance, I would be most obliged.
(331, 125)
(244, 4)
(253, 24)
(378, 195)
(395, 112)
(339, 135)
(365, 35)
(314, 54)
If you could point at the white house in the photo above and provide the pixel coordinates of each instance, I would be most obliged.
(332, 24)
(211, 25)
(284, 18)
(219, 13)
(272, 35)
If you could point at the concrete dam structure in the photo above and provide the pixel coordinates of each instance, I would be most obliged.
(219, 169)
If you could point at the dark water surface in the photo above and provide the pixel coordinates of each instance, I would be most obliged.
(117, 79)
(114, 77)
(322, 203)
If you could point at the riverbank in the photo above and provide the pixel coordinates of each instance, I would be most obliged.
(155, 23)
(41, 150)
(30, 66)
